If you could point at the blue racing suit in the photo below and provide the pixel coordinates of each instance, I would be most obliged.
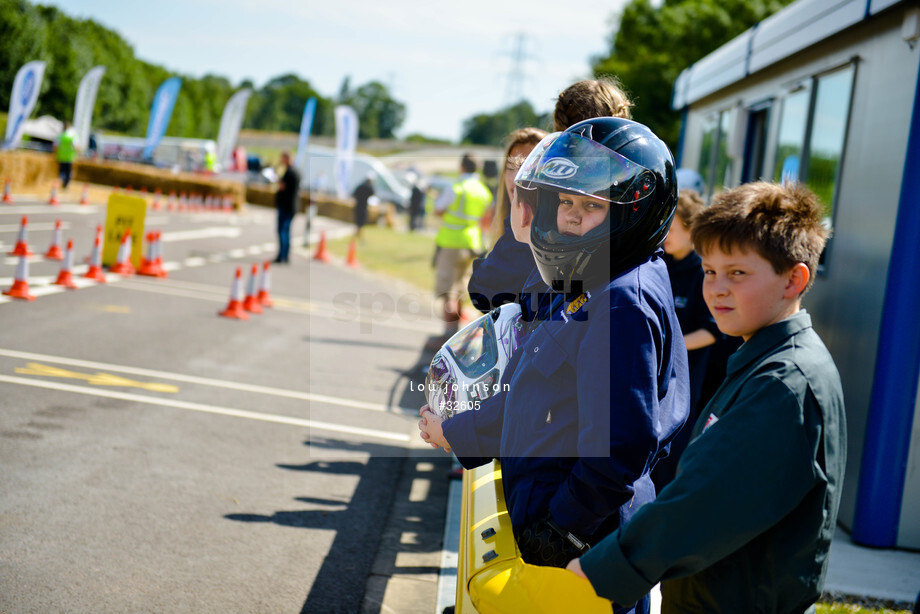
(596, 393)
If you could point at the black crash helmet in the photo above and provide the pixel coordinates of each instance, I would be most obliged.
(619, 165)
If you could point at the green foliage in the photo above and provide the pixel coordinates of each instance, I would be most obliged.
(425, 140)
(651, 46)
(70, 47)
(491, 129)
(379, 113)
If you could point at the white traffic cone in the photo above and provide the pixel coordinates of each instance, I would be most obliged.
(20, 287)
(54, 250)
(65, 277)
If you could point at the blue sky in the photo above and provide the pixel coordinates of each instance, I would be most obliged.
(446, 60)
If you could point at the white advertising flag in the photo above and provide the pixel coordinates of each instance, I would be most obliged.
(26, 86)
(346, 141)
(230, 123)
(86, 100)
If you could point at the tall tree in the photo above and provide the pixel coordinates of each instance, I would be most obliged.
(492, 128)
(379, 114)
(651, 46)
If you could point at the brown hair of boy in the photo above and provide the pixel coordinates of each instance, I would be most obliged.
(603, 97)
(781, 223)
(689, 205)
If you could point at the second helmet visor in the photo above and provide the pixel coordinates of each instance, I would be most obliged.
(569, 162)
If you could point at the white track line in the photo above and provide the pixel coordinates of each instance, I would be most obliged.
(209, 409)
(204, 381)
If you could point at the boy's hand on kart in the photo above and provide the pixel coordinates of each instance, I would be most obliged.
(430, 427)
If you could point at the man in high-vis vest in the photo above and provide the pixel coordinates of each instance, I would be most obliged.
(459, 240)
(66, 149)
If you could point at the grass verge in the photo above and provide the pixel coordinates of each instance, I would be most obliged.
(394, 253)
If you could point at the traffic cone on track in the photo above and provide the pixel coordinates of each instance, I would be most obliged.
(265, 286)
(22, 246)
(123, 264)
(65, 277)
(235, 306)
(53, 200)
(8, 191)
(20, 287)
(152, 265)
(352, 259)
(321, 254)
(252, 303)
(95, 262)
(54, 250)
(84, 195)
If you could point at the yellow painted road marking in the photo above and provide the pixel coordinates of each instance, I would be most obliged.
(209, 409)
(96, 379)
(204, 381)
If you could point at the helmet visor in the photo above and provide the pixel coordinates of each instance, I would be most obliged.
(568, 162)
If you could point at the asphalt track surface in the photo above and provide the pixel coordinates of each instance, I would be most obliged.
(156, 457)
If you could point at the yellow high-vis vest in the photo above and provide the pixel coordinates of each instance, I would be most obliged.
(460, 224)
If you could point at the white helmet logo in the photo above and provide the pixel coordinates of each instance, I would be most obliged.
(559, 168)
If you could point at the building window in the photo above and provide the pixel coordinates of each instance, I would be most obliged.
(828, 133)
(715, 163)
(812, 132)
(790, 141)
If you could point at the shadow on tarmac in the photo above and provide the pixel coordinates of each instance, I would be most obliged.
(379, 524)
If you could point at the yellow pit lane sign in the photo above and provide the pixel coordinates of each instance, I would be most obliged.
(96, 379)
(124, 212)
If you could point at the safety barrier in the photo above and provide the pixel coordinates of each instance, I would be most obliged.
(492, 578)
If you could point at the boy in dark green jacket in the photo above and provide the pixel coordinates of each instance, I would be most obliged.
(746, 525)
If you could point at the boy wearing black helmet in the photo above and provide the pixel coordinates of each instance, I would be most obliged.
(600, 386)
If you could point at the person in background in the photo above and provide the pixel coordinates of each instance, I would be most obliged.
(416, 201)
(286, 204)
(509, 268)
(66, 149)
(509, 259)
(458, 241)
(746, 525)
(362, 195)
(696, 323)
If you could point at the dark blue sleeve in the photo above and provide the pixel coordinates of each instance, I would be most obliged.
(475, 435)
(617, 369)
(498, 278)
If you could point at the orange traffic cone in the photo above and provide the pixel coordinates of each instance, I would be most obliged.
(123, 264)
(235, 306)
(228, 203)
(156, 200)
(8, 191)
(84, 195)
(158, 254)
(171, 202)
(65, 277)
(53, 200)
(95, 262)
(352, 259)
(54, 250)
(152, 265)
(321, 254)
(20, 287)
(265, 286)
(252, 303)
(22, 246)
